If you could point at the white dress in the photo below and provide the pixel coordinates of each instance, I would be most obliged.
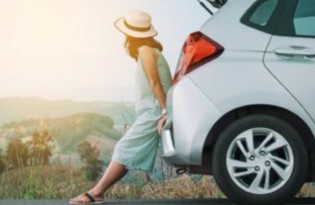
(138, 147)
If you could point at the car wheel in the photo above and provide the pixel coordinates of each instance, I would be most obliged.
(260, 159)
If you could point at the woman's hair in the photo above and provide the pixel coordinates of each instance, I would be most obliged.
(133, 44)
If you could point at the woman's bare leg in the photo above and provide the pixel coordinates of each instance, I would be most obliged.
(113, 173)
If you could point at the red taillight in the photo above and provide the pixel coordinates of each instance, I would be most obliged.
(197, 50)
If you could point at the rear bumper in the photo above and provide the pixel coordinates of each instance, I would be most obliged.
(190, 117)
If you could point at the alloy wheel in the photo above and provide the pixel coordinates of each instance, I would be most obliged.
(260, 160)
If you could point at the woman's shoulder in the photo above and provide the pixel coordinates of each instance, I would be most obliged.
(147, 51)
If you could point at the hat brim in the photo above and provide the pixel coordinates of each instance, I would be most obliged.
(120, 25)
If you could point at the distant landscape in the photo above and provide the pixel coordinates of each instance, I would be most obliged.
(69, 122)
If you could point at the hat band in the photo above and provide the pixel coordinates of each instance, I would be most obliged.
(143, 29)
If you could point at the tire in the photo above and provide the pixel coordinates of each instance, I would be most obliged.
(260, 159)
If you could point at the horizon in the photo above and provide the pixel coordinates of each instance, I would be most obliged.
(63, 99)
(15, 109)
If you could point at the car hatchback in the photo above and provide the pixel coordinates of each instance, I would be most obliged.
(242, 106)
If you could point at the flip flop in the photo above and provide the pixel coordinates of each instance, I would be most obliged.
(90, 197)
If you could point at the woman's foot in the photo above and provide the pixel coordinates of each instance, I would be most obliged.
(87, 198)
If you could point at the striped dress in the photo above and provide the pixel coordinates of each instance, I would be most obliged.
(137, 149)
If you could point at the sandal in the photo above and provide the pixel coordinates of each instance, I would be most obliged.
(91, 200)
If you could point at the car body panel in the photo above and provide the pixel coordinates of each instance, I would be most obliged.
(193, 116)
(233, 93)
(296, 73)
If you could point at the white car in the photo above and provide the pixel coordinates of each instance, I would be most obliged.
(242, 107)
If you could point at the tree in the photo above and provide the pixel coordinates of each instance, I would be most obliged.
(2, 164)
(40, 148)
(17, 154)
(89, 156)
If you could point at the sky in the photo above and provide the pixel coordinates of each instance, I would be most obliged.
(69, 49)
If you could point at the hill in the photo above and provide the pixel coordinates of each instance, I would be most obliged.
(15, 109)
(67, 132)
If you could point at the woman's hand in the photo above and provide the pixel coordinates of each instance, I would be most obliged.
(161, 123)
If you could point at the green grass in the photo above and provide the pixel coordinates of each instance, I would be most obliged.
(63, 182)
(44, 182)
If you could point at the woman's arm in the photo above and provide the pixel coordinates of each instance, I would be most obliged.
(149, 57)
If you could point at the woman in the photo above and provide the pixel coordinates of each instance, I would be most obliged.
(138, 147)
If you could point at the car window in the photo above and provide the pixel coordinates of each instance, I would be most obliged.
(262, 15)
(304, 18)
(263, 12)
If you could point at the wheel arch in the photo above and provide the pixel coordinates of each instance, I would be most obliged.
(288, 116)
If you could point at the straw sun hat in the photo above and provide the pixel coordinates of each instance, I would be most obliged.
(136, 23)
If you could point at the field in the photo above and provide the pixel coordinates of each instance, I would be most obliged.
(61, 182)
(55, 182)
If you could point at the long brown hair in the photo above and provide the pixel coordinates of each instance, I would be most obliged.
(133, 44)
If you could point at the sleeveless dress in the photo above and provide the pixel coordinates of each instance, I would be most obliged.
(137, 149)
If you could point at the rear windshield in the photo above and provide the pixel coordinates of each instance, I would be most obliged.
(259, 15)
(263, 13)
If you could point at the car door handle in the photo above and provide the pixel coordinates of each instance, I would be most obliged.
(295, 51)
